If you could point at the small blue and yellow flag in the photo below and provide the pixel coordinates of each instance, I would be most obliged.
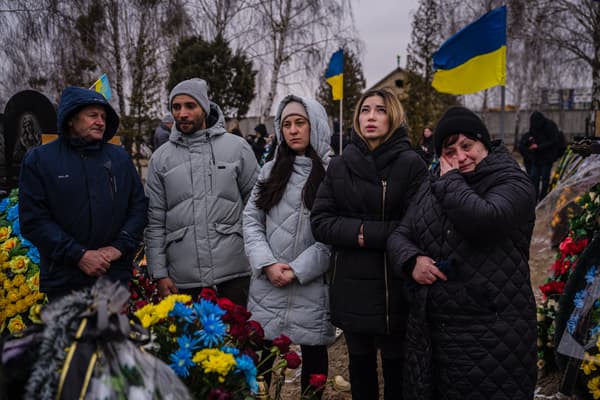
(474, 58)
(335, 74)
(101, 86)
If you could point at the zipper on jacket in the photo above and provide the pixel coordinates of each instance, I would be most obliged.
(335, 258)
(385, 266)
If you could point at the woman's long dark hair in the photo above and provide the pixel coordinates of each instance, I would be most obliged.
(270, 191)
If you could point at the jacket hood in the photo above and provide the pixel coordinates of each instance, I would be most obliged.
(536, 121)
(319, 124)
(215, 125)
(74, 98)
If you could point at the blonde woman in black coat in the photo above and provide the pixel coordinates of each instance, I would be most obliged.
(362, 199)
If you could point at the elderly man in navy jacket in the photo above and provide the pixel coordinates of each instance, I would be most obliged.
(81, 201)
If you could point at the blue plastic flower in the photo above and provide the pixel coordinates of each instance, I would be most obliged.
(213, 330)
(34, 255)
(245, 365)
(590, 274)
(16, 227)
(4, 204)
(595, 331)
(230, 350)
(13, 213)
(187, 342)
(579, 298)
(572, 323)
(181, 361)
(205, 307)
(182, 311)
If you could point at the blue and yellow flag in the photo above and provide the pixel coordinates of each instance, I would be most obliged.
(101, 86)
(335, 74)
(474, 58)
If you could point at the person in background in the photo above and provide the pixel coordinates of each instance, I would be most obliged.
(198, 183)
(543, 149)
(269, 151)
(425, 146)
(259, 140)
(524, 143)
(162, 132)
(81, 201)
(361, 201)
(288, 290)
(464, 245)
(233, 126)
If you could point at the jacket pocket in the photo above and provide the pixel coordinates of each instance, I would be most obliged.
(174, 237)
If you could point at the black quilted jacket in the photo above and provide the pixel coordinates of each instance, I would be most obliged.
(373, 189)
(478, 328)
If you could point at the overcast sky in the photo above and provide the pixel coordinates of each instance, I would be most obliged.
(384, 27)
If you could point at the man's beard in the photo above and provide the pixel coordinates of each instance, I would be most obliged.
(192, 125)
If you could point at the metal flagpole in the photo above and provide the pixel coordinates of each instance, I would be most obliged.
(341, 123)
(502, 100)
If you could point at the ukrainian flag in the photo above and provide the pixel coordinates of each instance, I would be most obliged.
(335, 74)
(101, 86)
(474, 58)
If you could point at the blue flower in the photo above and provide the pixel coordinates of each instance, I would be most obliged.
(188, 343)
(13, 213)
(181, 361)
(572, 323)
(182, 311)
(595, 331)
(230, 350)
(213, 330)
(16, 227)
(25, 242)
(579, 298)
(205, 307)
(34, 255)
(4, 204)
(245, 365)
(590, 274)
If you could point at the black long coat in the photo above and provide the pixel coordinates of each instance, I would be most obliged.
(479, 326)
(372, 189)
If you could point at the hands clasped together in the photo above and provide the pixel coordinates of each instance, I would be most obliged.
(97, 262)
(279, 274)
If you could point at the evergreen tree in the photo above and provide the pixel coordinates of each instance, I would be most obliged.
(354, 84)
(230, 76)
(424, 104)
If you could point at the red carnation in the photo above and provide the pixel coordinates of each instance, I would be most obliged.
(551, 288)
(255, 332)
(226, 304)
(237, 316)
(317, 381)
(293, 359)
(283, 343)
(239, 332)
(208, 294)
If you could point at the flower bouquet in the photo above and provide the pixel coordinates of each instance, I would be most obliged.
(142, 289)
(210, 343)
(20, 297)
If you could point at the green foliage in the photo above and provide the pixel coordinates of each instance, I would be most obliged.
(229, 75)
(354, 84)
(424, 105)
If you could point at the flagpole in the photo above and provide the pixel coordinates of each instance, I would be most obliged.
(341, 123)
(502, 100)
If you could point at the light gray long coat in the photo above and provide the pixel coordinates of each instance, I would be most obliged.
(197, 185)
(299, 310)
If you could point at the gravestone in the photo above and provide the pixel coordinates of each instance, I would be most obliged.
(27, 115)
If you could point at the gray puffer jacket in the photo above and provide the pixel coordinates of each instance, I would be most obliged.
(299, 310)
(197, 185)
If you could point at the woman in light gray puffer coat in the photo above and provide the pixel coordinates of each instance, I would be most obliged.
(288, 290)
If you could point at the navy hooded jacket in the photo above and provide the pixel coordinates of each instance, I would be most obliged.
(76, 195)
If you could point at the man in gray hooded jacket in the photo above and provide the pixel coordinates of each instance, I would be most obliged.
(197, 185)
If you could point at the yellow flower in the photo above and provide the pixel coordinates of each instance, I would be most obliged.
(24, 290)
(10, 311)
(34, 282)
(13, 296)
(16, 324)
(19, 264)
(588, 365)
(5, 232)
(35, 314)
(172, 328)
(18, 280)
(214, 360)
(9, 244)
(3, 256)
(594, 387)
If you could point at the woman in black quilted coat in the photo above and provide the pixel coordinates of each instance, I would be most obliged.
(361, 201)
(465, 243)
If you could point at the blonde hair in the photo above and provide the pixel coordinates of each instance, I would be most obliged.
(393, 107)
